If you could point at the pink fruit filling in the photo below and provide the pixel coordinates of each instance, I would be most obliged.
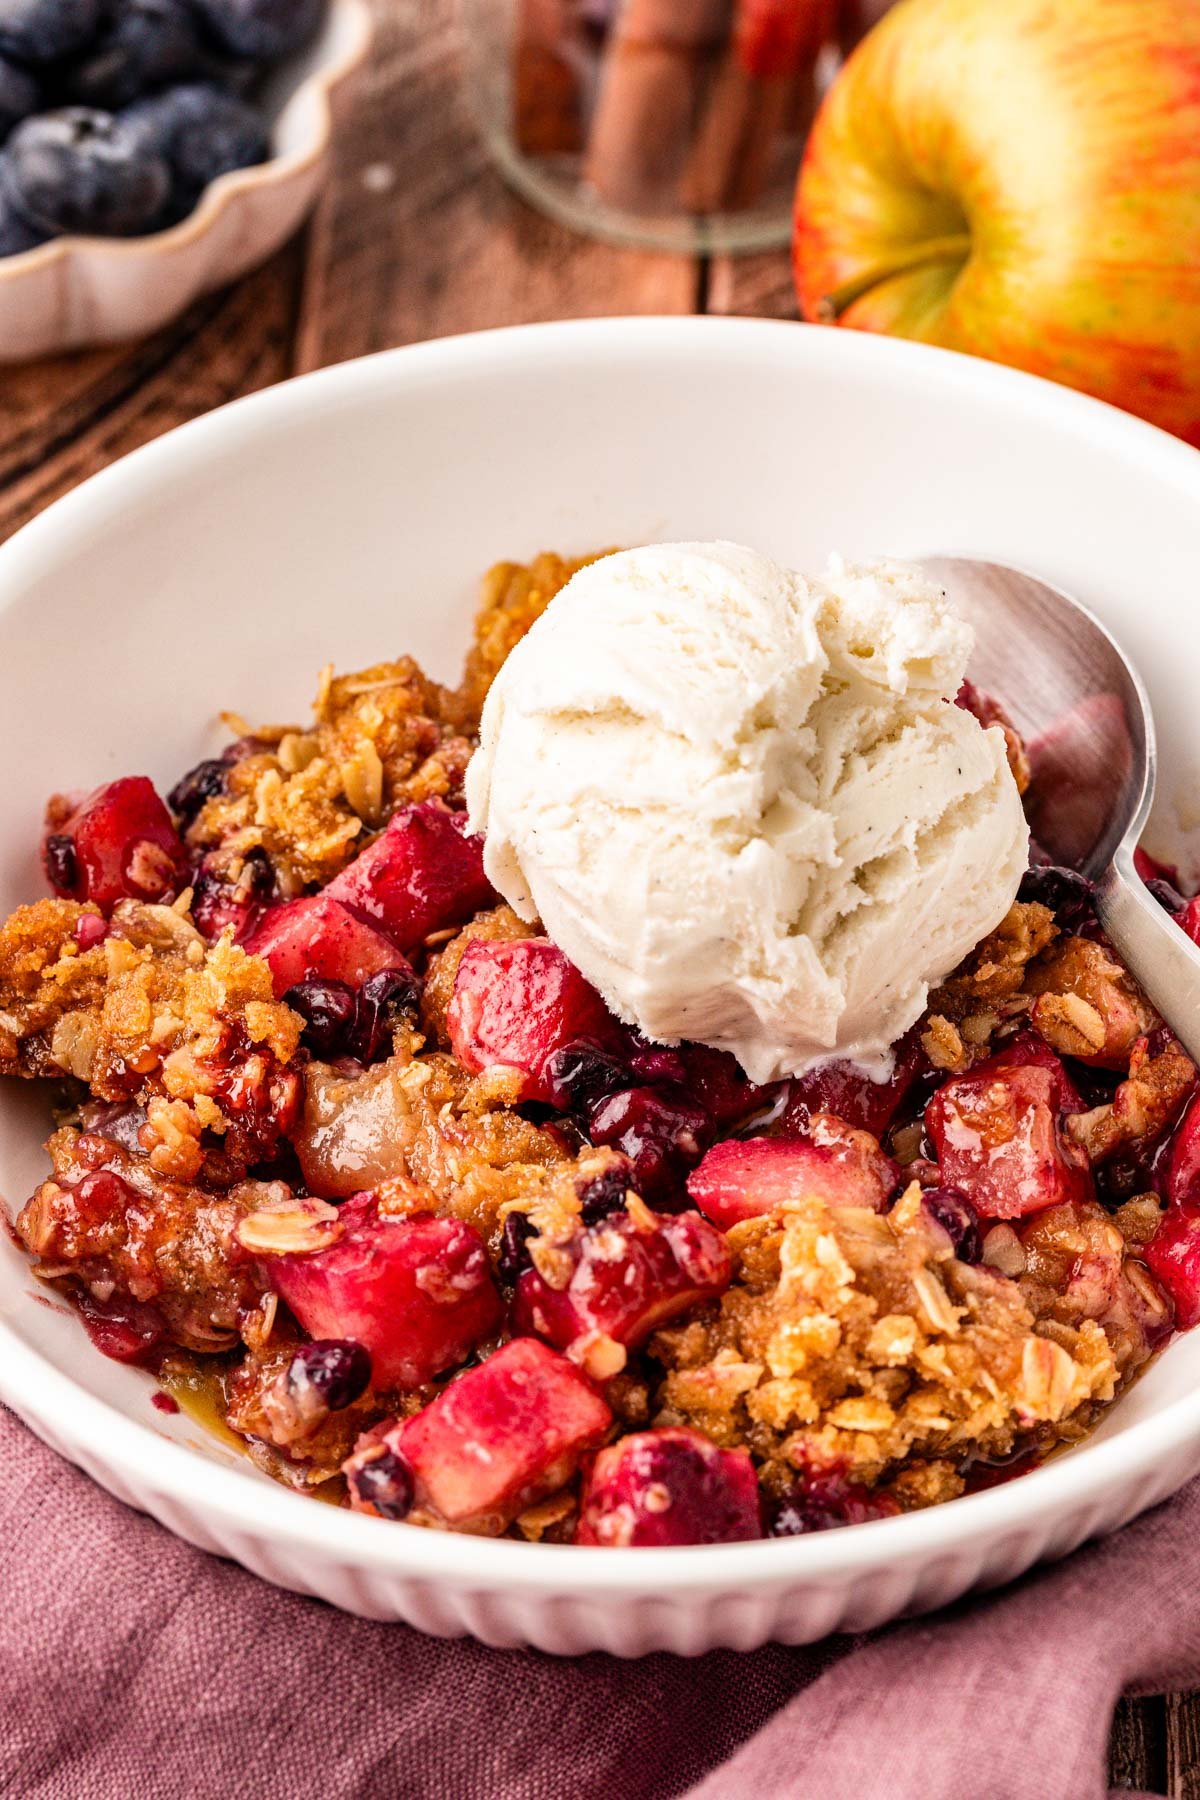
(743, 1179)
(118, 843)
(998, 1133)
(669, 1487)
(423, 873)
(627, 1275)
(497, 1439)
(523, 1006)
(416, 1293)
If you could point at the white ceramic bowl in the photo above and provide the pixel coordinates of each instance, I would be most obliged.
(80, 291)
(348, 516)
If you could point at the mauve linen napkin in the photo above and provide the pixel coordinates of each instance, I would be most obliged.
(133, 1667)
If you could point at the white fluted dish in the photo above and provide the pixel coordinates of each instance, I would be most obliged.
(348, 516)
(76, 292)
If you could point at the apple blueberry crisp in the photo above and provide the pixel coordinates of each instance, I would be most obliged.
(349, 1136)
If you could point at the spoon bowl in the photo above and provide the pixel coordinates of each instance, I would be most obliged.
(1084, 713)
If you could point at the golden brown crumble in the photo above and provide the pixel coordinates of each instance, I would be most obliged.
(988, 988)
(152, 1012)
(859, 1339)
(380, 738)
(514, 597)
(1086, 1005)
(1144, 1104)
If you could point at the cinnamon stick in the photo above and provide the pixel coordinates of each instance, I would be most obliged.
(548, 87)
(766, 88)
(658, 57)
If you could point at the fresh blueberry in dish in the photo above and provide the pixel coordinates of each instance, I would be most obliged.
(42, 31)
(201, 132)
(84, 171)
(20, 95)
(142, 45)
(261, 29)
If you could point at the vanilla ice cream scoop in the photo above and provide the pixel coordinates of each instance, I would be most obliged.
(742, 801)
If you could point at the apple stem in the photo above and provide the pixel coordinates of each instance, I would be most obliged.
(957, 248)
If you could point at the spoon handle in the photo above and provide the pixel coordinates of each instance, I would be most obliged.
(1162, 959)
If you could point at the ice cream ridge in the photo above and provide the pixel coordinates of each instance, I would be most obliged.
(742, 801)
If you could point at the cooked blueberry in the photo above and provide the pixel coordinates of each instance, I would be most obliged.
(142, 45)
(583, 1075)
(955, 1214)
(385, 1000)
(80, 170)
(514, 1254)
(19, 95)
(61, 862)
(201, 132)
(329, 1010)
(200, 784)
(1166, 893)
(41, 31)
(386, 1483)
(1066, 892)
(604, 1194)
(263, 30)
(338, 1368)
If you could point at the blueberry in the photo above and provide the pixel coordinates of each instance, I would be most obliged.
(142, 45)
(385, 1000)
(958, 1218)
(338, 1368)
(79, 170)
(1066, 892)
(61, 862)
(20, 95)
(514, 1254)
(329, 1009)
(201, 132)
(16, 235)
(385, 1483)
(264, 30)
(42, 31)
(582, 1076)
(604, 1194)
(202, 783)
(1166, 893)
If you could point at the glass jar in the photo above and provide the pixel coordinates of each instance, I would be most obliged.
(677, 124)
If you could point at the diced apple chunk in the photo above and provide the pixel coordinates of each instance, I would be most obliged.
(317, 938)
(118, 843)
(522, 1005)
(746, 1178)
(630, 1275)
(503, 1435)
(422, 874)
(417, 1293)
(997, 1133)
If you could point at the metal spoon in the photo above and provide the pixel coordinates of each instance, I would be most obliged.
(1081, 706)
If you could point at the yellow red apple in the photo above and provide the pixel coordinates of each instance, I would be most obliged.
(1019, 179)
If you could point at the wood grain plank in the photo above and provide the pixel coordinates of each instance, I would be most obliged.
(64, 418)
(418, 236)
(1137, 1759)
(1183, 1746)
(755, 286)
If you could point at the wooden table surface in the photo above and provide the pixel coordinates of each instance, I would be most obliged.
(416, 237)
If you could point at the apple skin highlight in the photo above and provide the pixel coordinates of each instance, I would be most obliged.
(1020, 180)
